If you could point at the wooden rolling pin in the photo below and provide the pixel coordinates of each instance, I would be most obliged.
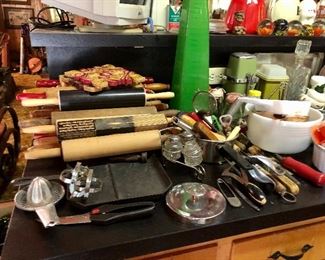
(80, 100)
(99, 126)
(101, 146)
(81, 128)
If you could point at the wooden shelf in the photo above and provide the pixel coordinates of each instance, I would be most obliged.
(226, 42)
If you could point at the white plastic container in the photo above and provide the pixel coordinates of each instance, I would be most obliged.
(283, 137)
(319, 157)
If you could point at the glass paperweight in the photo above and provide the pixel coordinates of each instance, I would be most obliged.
(318, 28)
(307, 30)
(265, 27)
(280, 27)
(295, 28)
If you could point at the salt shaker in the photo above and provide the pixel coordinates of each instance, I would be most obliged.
(172, 148)
(192, 151)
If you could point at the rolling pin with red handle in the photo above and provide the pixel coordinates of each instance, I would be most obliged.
(79, 100)
(303, 170)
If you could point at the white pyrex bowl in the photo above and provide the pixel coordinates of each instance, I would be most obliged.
(283, 137)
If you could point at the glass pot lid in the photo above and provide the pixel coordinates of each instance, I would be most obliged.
(195, 202)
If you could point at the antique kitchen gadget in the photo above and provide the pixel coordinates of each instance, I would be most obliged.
(240, 71)
(195, 203)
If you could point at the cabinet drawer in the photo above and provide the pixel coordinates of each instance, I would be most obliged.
(289, 242)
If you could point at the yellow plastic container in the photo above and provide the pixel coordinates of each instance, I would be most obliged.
(272, 80)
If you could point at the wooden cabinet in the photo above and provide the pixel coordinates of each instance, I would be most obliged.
(287, 240)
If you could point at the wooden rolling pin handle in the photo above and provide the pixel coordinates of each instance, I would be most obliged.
(162, 95)
(42, 153)
(41, 129)
(157, 86)
(40, 102)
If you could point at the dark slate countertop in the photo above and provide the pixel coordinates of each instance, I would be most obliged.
(27, 239)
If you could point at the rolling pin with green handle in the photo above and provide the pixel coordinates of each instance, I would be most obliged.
(80, 100)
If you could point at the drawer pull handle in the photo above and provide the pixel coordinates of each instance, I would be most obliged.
(278, 254)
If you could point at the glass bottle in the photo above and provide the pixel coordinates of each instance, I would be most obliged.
(298, 74)
(172, 148)
(192, 151)
(320, 14)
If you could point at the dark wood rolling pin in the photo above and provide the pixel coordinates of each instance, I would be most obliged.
(101, 146)
(88, 127)
(80, 100)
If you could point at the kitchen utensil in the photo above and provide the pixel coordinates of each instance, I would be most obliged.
(26, 180)
(80, 128)
(241, 195)
(277, 107)
(240, 66)
(93, 113)
(279, 185)
(107, 214)
(275, 167)
(22, 96)
(303, 170)
(196, 203)
(210, 149)
(279, 136)
(125, 182)
(205, 102)
(240, 176)
(40, 196)
(101, 146)
(205, 105)
(290, 185)
(228, 193)
(79, 100)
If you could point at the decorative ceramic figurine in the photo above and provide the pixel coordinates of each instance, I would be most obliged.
(307, 12)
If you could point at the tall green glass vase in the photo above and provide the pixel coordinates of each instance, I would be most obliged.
(191, 67)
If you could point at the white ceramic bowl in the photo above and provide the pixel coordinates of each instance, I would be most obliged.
(284, 137)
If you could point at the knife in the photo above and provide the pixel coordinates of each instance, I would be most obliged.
(108, 213)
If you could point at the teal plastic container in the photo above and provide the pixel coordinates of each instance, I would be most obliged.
(191, 68)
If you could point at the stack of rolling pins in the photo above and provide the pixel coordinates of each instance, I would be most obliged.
(78, 125)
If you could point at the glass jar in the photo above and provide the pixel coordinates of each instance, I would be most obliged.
(172, 148)
(192, 152)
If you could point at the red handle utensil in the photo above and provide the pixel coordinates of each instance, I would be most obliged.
(303, 170)
(47, 83)
(23, 96)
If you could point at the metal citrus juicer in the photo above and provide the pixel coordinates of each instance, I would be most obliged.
(40, 196)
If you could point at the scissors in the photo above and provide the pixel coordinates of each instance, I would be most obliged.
(107, 214)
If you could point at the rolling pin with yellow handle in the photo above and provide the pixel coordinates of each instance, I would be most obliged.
(101, 146)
